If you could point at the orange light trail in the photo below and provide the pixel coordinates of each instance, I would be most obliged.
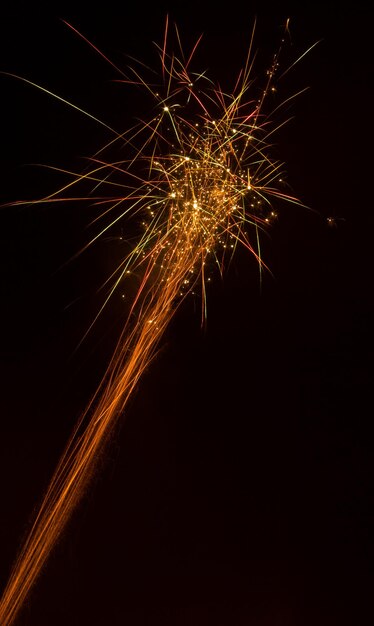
(198, 183)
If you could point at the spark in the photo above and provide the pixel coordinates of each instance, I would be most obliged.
(199, 178)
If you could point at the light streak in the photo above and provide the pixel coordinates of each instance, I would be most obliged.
(199, 178)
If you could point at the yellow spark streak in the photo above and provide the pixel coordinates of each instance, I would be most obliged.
(73, 106)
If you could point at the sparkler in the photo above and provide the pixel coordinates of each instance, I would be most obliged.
(198, 179)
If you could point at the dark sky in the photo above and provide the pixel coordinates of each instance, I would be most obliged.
(238, 489)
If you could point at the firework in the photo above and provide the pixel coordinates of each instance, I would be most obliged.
(198, 180)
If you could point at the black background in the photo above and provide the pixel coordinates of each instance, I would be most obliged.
(238, 490)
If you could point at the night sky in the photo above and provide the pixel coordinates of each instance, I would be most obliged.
(238, 488)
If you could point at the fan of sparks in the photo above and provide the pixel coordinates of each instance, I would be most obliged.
(198, 179)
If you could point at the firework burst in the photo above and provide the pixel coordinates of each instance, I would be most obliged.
(198, 180)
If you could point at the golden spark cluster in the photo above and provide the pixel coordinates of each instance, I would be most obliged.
(198, 180)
